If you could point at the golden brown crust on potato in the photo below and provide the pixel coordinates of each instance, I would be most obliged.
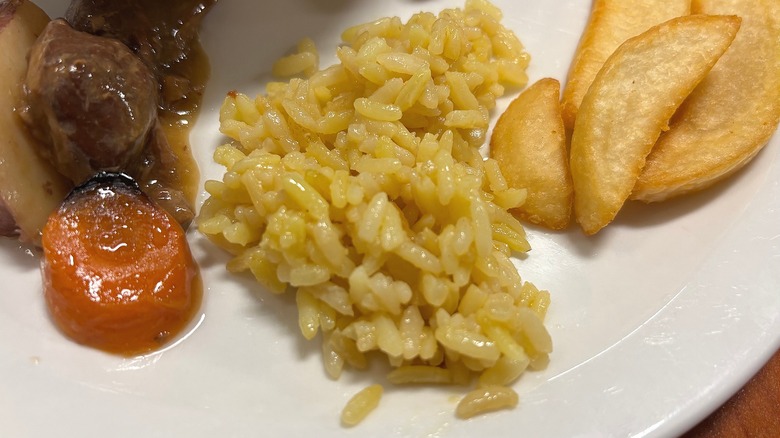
(611, 23)
(730, 116)
(631, 101)
(529, 144)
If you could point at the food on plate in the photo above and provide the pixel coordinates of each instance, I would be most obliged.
(30, 187)
(361, 404)
(730, 116)
(90, 98)
(165, 35)
(362, 189)
(631, 101)
(486, 399)
(305, 60)
(81, 97)
(611, 23)
(88, 103)
(529, 144)
(117, 270)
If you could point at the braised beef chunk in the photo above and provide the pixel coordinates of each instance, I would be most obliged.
(117, 86)
(162, 33)
(91, 100)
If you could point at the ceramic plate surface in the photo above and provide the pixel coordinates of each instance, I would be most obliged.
(656, 321)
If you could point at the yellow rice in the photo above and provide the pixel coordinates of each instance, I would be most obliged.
(361, 189)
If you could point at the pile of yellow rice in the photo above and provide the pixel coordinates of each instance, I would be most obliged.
(361, 189)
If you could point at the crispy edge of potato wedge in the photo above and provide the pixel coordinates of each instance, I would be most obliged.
(631, 101)
(611, 23)
(729, 117)
(529, 144)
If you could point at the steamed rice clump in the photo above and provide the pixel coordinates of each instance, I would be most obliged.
(362, 190)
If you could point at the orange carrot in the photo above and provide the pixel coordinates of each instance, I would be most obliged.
(117, 269)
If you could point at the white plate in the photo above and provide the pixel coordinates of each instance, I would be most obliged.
(656, 321)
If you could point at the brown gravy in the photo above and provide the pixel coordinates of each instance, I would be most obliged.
(165, 36)
(176, 122)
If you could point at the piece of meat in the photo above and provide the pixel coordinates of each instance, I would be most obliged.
(162, 33)
(90, 99)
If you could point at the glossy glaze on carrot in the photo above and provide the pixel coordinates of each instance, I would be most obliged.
(118, 272)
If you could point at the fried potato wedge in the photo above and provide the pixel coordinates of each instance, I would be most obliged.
(730, 116)
(631, 101)
(611, 23)
(529, 144)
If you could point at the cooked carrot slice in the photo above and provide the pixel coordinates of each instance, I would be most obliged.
(118, 272)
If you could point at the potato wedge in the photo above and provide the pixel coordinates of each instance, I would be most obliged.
(30, 188)
(730, 116)
(630, 103)
(611, 23)
(529, 144)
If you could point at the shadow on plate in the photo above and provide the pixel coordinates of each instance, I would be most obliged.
(640, 215)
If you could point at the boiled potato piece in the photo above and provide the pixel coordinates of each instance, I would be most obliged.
(630, 103)
(529, 144)
(30, 188)
(730, 116)
(611, 23)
